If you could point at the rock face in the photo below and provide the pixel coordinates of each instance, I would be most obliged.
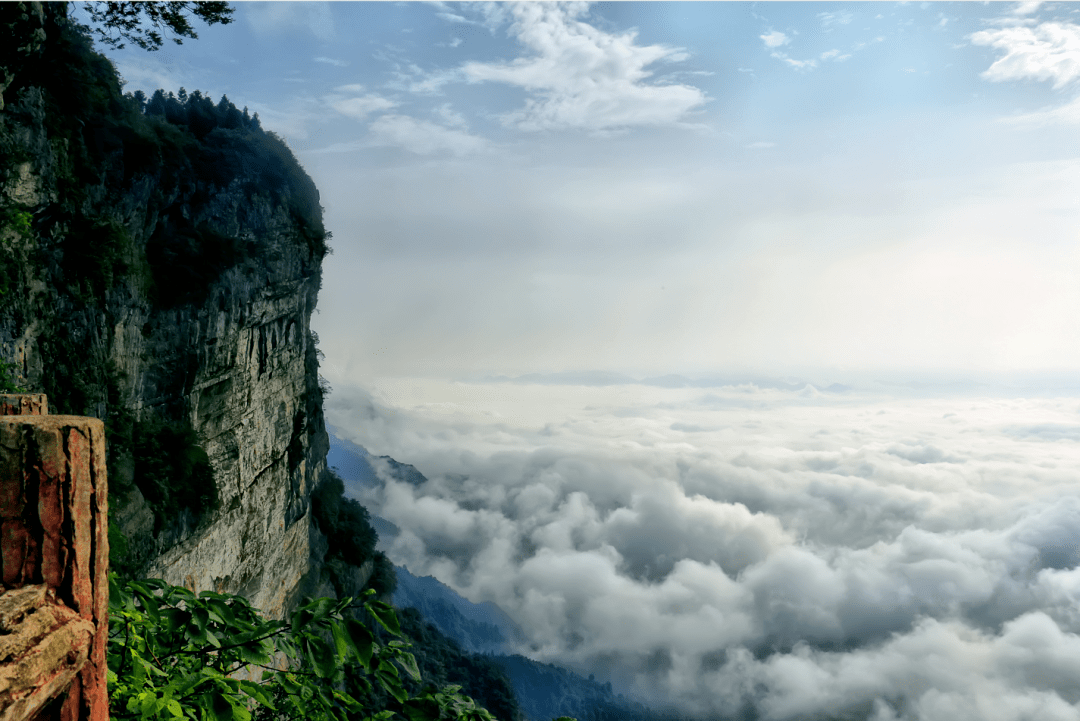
(157, 271)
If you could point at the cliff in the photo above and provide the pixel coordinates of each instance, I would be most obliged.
(159, 268)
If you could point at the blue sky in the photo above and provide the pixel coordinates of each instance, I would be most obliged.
(827, 190)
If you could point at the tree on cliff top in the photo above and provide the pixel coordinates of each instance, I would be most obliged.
(120, 21)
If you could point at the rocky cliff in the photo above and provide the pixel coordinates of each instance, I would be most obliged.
(159, 265)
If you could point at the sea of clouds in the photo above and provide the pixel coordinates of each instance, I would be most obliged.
(752, 552)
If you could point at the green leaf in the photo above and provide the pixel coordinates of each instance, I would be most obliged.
(253, 653)
(150, 668)
(408, 662)
(222, 611)
(147, 704)
(213, 639)
(320, 608)
(320, 656)
(388, 678)
(257, 692)
(174, 708)
(342, 643)
(385, 615)
(416, 709)
(220, 707)
(362, 640)
(239, 712)
(175, 618)
(301, 617)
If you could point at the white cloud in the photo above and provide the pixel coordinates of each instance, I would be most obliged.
(582, 77)
(775, 39)
(807, 554)
(451, 117)
(1068, 114)
(331, 61)
(1050, 51)
(423, 137)
(837, 18)
(361, 107)
(797, 64)
(1027, 7)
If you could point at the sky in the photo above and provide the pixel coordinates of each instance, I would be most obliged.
(814, 190)
(737, 341)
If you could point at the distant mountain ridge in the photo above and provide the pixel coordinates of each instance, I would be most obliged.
(477, 627)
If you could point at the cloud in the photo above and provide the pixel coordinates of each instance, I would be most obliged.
(1026, 8)
(361, 107)
(423, 137)
(582, 77)
(802, 555)
(331, 61)
(276, 18)
(836, 18)
(797, 64)
(775, 39)
(1050, 51)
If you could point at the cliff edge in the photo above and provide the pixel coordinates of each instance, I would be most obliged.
(160, 260)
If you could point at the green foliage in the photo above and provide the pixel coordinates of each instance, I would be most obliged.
(383, 578)
(344, 522)
(13, 255)
(94, 256)
(120, 21)
(173, 472)
(7, 378)
(175, 655)
(18, 220)
(186, 260)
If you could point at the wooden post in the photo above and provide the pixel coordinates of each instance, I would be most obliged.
(54, 532)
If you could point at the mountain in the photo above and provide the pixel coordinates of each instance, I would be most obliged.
(161, 262)
(477, 627)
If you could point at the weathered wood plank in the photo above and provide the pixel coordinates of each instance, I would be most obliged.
(43, 647)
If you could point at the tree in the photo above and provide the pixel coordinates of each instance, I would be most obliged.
(117, 22)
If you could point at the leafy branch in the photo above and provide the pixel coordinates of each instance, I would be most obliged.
(119, 21)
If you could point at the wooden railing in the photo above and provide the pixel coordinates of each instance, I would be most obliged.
(54, 555)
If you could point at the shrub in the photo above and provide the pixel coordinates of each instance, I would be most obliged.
(173, 654)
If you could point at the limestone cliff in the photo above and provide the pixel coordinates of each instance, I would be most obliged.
(158, 269)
